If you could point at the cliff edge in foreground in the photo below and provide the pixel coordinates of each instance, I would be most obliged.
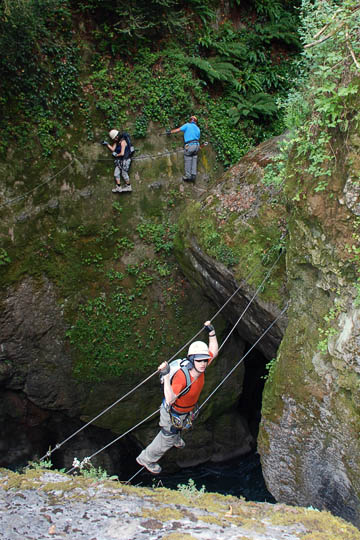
(45, 504)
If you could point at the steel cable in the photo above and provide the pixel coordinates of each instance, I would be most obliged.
(20, 197)
(117, 439)
(59, 445)
(226, 338)
(36, 187)
(245, 355)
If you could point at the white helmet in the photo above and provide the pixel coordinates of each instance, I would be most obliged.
(199, 350)
(113, 134)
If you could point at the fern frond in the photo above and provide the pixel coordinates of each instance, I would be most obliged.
(215, 68)
(253, 106)
(270, 8)
(232, 50)
(202, 10)
(206, 67)
(226, 70)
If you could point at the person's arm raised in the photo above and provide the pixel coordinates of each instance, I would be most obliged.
(213, 342)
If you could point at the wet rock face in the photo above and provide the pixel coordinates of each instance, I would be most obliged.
(33, 355)
(321, 477)
(40, 396)
(309, 442)
(220, 284)
(309, 434)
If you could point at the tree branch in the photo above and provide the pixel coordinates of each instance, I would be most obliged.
(350, 49)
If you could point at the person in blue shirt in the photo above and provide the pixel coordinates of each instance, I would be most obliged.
(191, 141)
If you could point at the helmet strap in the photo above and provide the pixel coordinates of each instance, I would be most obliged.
(191, 359)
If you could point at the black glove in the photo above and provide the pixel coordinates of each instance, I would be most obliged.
(168, 132)
(209, 328)
(114, 154)
(105, 143)
(165, 371)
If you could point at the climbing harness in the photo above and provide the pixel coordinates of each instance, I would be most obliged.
(180, 421)
(183, 421)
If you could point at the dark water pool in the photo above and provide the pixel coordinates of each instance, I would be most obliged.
(240, 477)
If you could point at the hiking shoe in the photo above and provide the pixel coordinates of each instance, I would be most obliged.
(116, 189)
(154, 468)
(193, 177)
(186, 179)
(180, 443)
(126, 188)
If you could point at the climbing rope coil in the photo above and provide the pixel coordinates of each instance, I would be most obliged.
(77, 464)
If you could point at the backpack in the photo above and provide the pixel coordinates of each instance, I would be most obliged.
(129, 150)
(185, 366)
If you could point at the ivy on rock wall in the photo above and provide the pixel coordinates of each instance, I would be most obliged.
(132, 63)
(38, 71)
(320, 111)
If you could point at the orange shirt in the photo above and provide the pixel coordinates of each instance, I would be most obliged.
(187, 402)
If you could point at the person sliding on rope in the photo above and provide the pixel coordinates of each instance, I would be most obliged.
(191, 149)
(121, 150)
(178, 409)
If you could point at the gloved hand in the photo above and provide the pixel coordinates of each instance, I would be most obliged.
(168, 132)
(209, 327)
(114, 154)
(105, 143)
(164, 369)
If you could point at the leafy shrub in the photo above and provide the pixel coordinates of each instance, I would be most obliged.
(38, 72)
(4, 257)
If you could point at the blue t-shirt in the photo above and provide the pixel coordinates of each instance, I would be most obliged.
(191, 132)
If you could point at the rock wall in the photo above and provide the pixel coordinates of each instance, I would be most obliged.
(43, 397)
(309, 441)
(308, 438)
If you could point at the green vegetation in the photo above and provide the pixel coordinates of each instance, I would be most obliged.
(39, 71)
(160, 234)
(328, 331)
(190, 490)
(270, 368)
(116, 331)
(159, 60)
(354, 252)
(87, 470)
(320, 105)
(4, 257)
(42, 464)
(319, 110)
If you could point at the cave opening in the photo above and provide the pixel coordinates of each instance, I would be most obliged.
(250, 401)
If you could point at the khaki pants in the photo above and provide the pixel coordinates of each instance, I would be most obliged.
(163, 441)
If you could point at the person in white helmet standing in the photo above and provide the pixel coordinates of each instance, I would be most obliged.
(181, 392)
(121, 150)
